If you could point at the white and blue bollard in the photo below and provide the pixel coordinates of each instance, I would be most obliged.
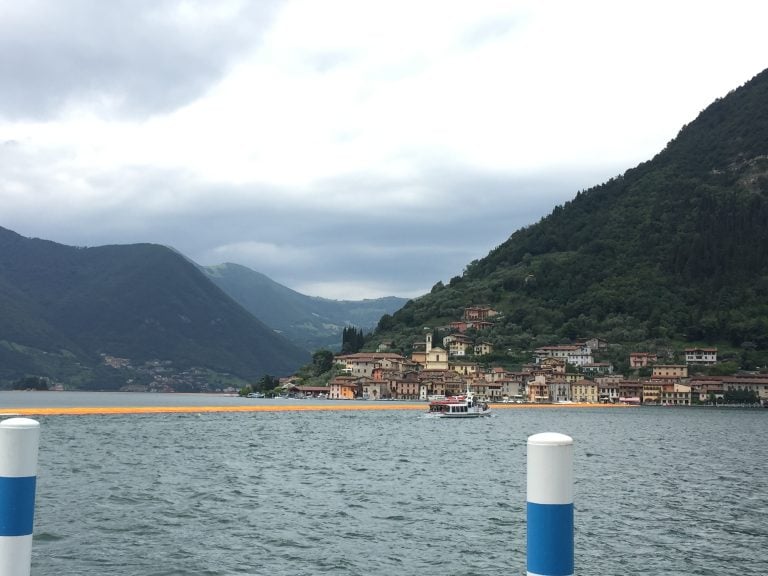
(19, 440)
(550, 505)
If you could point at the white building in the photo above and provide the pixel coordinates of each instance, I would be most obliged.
(576, 355)
(701, 355)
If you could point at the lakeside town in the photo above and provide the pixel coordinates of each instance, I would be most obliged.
(557, 374)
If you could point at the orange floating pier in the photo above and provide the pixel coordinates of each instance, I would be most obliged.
(97, 410)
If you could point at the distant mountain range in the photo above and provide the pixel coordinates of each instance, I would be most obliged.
(143, 316)
(308, 321)
(673, 251)
(139, 315)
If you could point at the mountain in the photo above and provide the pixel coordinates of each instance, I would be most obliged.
(68, 312)
(310, 322)
(674, 250)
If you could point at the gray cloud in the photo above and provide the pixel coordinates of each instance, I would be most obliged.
(334, 146)
(387, 247)
(125, 57)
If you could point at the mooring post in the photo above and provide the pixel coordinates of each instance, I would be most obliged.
(550, 505)
(19, 440)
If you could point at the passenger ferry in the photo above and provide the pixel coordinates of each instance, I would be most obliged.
(466, 406)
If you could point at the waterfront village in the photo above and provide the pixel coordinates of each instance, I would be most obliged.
(558, 374)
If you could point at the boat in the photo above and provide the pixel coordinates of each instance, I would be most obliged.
(466, 406)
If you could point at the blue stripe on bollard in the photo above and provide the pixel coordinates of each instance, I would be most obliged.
(550, 539)
(17, 505)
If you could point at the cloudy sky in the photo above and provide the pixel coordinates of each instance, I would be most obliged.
(347, 149)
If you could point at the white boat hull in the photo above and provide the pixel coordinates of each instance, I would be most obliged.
(459, 407)
(465, 414)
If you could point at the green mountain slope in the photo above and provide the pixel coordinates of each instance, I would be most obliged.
(140, 302)
(675, 249)
(310, 322)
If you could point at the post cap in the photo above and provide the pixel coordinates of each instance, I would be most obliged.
(19, 423)
(549, 439)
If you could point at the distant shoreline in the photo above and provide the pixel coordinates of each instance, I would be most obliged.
(105, 410)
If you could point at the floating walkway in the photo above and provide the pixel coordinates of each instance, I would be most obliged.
(293, 407)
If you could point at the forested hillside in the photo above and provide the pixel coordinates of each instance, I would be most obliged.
(309, 322)
(66, 309)
(674, 250)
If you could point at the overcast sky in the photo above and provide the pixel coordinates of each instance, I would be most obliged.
(347, 149)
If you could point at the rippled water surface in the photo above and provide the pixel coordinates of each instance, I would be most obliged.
(658, 491)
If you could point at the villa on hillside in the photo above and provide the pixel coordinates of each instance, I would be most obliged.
(596, 344)
(556, 365)
(451, 338)
(464, 368)
(573, 354)
(474, 313)
(462, 325)
(483, 348)
(701, 355)
(598, 368)
(363, 363)
(458, 344)
(641, 359)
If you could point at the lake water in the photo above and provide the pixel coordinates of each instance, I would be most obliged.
(657, 491)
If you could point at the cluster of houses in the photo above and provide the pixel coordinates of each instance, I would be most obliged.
(434, 371)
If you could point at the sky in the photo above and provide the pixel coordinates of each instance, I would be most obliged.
(347, 149)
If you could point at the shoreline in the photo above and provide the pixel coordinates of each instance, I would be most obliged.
(106, 410)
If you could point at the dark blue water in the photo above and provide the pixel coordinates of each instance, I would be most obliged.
(658, 491)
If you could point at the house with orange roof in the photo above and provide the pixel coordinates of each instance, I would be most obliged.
(343, 388)
(675, 394)
(537, 390)
(641, 359)
(474, 313)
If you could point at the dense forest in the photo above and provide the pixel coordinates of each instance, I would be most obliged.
(672, 252)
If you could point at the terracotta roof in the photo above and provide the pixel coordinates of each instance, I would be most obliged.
(371, 355)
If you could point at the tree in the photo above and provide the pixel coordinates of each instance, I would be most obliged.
(352, 340)
(267, 383)
(386, 322)
(322, 362)
(741, 397)
(31, 383)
